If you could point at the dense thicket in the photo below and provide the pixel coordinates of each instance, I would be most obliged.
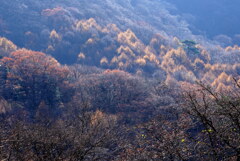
(78, 84)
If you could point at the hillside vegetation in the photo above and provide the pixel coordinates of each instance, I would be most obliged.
(114, 80)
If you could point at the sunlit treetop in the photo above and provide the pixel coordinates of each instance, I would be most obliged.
(6, 47)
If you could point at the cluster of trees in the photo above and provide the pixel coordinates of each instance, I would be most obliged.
(93, 113)
(106, 46)
(31, 77)
(55, 112)
(78, 134)
(119, 96)
(206, 127)
(90, 42)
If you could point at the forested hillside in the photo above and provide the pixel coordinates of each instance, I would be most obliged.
(118, 80)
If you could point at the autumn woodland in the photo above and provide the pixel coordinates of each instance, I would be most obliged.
(116, 81)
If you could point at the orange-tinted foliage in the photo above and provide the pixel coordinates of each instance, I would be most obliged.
(32, 77)
(116, 71)
(52, 12)
(31, 62)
